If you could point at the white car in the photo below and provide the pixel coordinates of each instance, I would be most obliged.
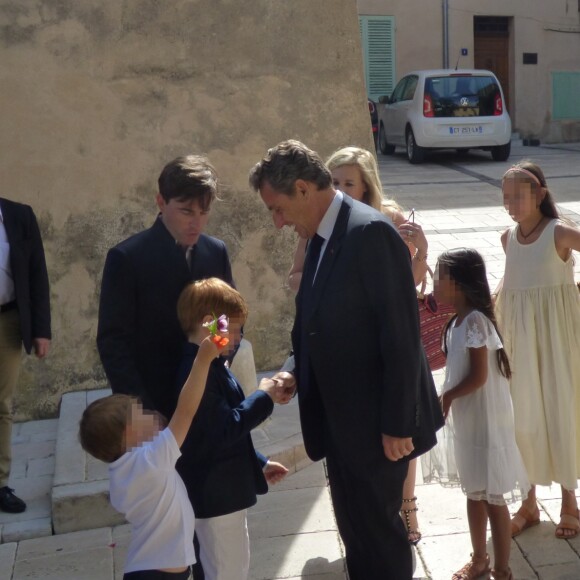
(442, 109)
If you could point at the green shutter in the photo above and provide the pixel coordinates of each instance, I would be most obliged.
(565, 91)
(378, 45)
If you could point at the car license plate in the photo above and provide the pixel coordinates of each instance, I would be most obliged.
(477, 130)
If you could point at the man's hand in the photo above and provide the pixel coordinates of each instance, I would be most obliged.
(41, 346)
(275, 390)
(274, 472)
(287, 382)
(396, 448)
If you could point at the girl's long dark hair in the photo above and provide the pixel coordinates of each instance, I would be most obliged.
(467, 269)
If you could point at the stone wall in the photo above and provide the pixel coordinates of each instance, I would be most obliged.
(97, 96)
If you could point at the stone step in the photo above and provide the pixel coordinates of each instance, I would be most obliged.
(80, 493)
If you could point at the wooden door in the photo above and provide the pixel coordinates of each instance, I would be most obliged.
(492, 53)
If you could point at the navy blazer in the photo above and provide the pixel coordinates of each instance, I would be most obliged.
(219, 465)
(368, 370)
(28, 265)
(139, 337)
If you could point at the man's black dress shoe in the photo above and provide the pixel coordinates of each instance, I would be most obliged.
(9, 502)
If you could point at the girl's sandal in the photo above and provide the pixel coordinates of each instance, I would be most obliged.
(475, 569)
(413, 535)
(568, 523)
(505, 575)
(524, 519)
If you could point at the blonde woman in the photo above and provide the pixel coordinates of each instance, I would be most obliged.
(355, 172)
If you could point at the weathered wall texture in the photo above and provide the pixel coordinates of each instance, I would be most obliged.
(97, 96)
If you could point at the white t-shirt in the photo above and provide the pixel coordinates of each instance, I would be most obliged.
(146, 488)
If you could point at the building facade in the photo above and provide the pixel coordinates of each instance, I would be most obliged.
(532, 46)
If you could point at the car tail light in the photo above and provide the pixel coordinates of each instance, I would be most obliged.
(428, 106)
(498, 105)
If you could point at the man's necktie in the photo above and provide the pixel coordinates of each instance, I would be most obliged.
(311, 262)
(190, 257)
(308, 274)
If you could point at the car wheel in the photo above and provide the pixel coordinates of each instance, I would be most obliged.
(385, 147)
(415, 153)
(501, 152)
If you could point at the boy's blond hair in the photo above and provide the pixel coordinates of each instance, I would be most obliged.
(103, 426)
(211, 295)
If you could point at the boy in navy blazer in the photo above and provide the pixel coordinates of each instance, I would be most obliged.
(221, 470)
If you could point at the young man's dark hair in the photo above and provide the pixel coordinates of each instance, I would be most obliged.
(187, 178)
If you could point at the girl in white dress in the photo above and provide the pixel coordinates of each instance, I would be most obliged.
(538, 309)
(476, 403)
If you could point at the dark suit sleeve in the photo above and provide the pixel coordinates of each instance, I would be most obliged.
(228, 277)
(388, 281)
(262, 459)
(39, 285)
(226, 425)
(116, 334)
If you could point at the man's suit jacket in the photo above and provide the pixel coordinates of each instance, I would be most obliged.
(139, 337)
(28, 265)
(219, 465)
(368, 371)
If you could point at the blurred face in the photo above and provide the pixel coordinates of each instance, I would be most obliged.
(143, 426)
(234, 334)
(521, 197)
(348, 178)
(291, 210)
(444, 288)
(185, 220)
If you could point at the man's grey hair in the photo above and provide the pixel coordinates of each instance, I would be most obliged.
(287, 162)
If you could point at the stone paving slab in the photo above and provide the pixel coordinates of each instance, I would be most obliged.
(33, 457)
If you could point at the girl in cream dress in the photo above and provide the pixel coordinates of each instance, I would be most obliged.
(538, 310)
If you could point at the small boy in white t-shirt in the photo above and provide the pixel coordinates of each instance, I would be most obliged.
(144, 484)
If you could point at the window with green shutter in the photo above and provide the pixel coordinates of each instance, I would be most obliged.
(565, 91)
(378, 46)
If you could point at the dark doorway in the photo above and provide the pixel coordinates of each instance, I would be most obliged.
(491, 49)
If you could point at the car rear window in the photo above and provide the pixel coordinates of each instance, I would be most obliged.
(462, 95)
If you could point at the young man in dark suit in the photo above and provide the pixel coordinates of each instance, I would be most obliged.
(366, 396)
(139, 337)
(24, 319)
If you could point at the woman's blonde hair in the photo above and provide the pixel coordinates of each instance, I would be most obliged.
(367, 164)
(365, 161)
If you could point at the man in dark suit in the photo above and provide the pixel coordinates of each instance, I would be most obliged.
(366, 396)
(24, 319)
(139, 337)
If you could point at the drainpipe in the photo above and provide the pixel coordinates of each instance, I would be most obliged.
(445, 6)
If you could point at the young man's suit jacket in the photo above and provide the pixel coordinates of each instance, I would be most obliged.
(368, 371)
(28, 265)
(139, 337)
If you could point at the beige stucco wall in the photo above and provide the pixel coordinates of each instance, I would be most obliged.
(550, 28)
(97, 96)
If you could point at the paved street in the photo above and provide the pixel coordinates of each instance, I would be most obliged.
(293, 533)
